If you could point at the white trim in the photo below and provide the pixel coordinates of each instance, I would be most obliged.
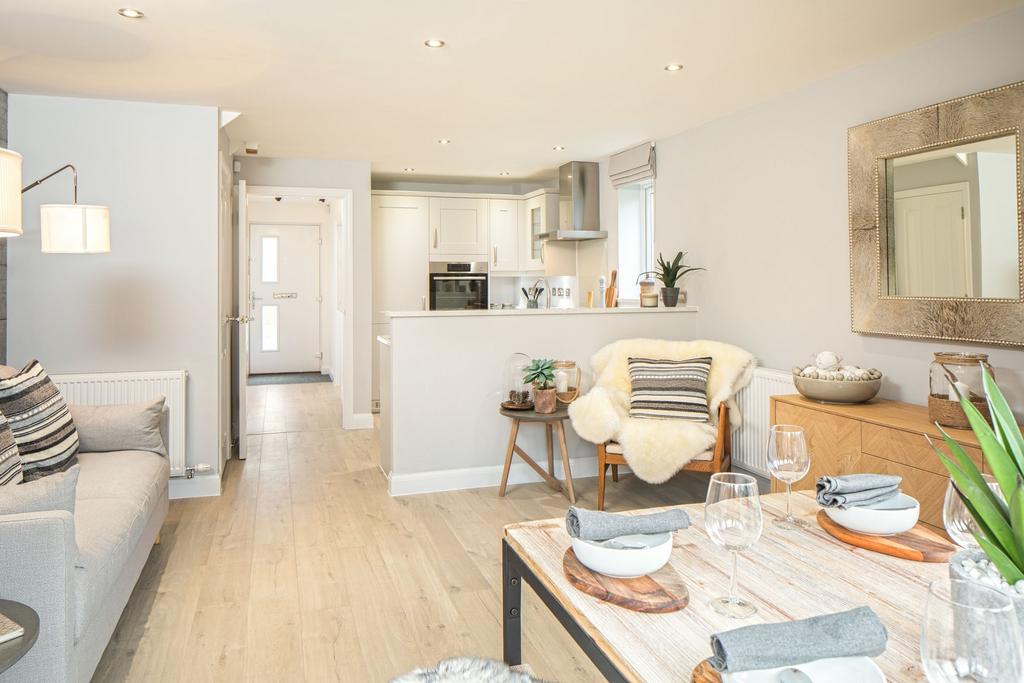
(483, 477)
(202, 486)
(467, 195)
(357, 421)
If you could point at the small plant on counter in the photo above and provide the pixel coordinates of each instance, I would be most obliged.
(1000, 520)
(670, 274)
(540, 373)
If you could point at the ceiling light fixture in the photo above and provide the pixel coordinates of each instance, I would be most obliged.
(408, 169)
(444, 141)
(131, 13)
(504, 173)
(674, 67)
(558, 148)
(434, 42)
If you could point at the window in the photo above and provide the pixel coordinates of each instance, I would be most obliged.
(268, 327)
(268, 259)
(636, 237)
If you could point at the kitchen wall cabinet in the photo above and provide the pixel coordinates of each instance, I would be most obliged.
(458, 228)
(505, 235)
(400, 258)
(540, 215)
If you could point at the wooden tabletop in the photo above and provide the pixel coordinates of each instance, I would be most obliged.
(561, 413)
(787, 574)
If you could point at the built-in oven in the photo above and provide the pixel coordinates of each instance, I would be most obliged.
(458, 286)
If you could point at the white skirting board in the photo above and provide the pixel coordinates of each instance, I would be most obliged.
(750, 441)
(199, 486)
(485, 477)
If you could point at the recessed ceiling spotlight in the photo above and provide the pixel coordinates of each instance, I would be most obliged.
(444, 141)
(558, 148)
(433, 42)
(674, 67)
(131, 13)
(408, 169)
(504, 173)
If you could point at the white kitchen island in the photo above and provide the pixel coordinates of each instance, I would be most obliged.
(442, 375)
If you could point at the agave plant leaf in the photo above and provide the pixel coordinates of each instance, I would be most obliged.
(993, 516)
(1004, 469)
(1010, 571)
(1007, 430)
(1017, 516)
(967, 467)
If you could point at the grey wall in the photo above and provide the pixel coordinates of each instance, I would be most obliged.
(760, 198)
(347, 175)
(151, 303)
(3, 243)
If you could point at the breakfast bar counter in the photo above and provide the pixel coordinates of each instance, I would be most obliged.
(445, 376)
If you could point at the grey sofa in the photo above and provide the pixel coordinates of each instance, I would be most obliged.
(77, 571)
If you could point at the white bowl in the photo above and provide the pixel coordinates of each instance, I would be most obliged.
(879, 522)
(625, 563)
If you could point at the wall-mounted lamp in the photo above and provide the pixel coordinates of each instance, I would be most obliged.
(64, 228)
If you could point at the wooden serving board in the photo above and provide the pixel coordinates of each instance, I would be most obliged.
(920, 544)
(705, 673)
(660, 592)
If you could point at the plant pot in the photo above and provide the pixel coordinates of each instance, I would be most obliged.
(544, 400)
(957, 572)
(670, 296)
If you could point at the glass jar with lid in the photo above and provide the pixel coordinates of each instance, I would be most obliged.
(949, 374)
(517, 392)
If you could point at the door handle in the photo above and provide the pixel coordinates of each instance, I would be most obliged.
(435, 238)
(240, 319)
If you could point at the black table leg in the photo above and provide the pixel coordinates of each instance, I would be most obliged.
(512, 605)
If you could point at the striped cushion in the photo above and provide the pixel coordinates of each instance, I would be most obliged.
(40, 420)
(10, 460)
(669, 388)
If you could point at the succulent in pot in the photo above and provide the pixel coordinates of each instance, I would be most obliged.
(998, 514)
(541, 374)
(670, 273)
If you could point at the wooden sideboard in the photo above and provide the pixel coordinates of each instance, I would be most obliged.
(881, 436)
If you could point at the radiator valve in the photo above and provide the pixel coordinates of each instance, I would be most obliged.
(200, 468)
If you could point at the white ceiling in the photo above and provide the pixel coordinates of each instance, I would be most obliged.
(352, 80)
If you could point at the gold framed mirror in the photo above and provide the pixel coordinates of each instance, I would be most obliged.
(937, 223)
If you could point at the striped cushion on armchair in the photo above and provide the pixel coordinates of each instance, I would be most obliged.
(674, 389)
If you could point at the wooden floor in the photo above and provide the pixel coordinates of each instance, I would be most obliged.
(305, 568)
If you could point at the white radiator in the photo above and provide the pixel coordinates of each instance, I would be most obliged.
(119, 388)
(750, 440)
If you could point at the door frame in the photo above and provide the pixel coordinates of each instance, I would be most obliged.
(319, 282)
(340, 287)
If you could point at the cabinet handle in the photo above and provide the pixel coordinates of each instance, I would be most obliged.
(495, 255)
(435, 238)
(542, 245)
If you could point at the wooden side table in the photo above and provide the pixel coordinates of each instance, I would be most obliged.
(14, 649)
(552, 422)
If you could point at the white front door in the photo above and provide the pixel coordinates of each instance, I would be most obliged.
(285, 291)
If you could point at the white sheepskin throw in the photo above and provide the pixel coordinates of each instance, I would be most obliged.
(657, 449)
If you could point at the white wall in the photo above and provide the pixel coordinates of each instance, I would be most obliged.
(151, 303)
(350, 175)
(760, 198)
(997, 176)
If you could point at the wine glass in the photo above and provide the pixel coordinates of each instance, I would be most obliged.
(732, 518)
(789, 462)
(957, 519)
(970, 633)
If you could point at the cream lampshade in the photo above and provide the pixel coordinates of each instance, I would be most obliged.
(74, 228)
(10, 193)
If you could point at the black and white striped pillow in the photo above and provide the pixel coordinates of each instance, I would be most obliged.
(10, 460)
(669, 388)
(40, 421)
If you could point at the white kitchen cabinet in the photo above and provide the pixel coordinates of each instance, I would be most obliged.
(505, 235)
(400, 255)
(458, 228)
(540, 215)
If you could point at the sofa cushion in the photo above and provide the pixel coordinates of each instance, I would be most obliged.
(40, 420)
(134, 426)
(10, 459)
(56, 492)
(117, 494)
(669, 388)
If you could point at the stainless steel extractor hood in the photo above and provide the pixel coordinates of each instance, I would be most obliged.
(579, 207)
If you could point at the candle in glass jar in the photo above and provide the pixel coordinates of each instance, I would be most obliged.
(561, 381)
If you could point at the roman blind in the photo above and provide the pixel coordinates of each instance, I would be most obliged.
(632, 166)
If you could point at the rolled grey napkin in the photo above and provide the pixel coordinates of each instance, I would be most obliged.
(591, 525)
(857, 490)
(855, 633)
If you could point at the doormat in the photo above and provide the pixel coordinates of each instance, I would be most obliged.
(288, 378)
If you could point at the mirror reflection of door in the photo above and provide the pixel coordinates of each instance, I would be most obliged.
(933, 241)
(285, 291)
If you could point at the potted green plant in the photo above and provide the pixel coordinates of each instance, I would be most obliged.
(999, 518)
(670, 274)
(541, 374)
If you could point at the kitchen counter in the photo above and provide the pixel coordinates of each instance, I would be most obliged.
(539, 311)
